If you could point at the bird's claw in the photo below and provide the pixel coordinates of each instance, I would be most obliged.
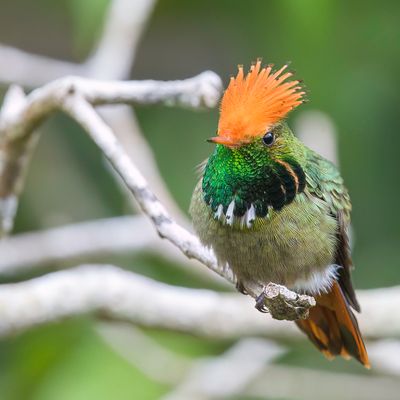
(240, 288)
(260, 302)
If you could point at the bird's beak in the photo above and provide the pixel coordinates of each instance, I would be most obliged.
(222, 140)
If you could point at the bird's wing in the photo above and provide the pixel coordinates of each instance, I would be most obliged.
(325, 183)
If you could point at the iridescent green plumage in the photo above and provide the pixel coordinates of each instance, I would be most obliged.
(254, 174)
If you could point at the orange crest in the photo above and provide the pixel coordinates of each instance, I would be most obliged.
(252, 103)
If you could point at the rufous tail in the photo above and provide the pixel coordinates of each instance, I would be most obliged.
(333, 328)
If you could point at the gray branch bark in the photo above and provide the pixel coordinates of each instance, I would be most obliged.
(111, 292)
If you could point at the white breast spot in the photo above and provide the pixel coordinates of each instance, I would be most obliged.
(229, 212)
(250, 216)
(219, 212)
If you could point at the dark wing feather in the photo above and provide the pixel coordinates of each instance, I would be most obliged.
(324, 181)
(343, 258)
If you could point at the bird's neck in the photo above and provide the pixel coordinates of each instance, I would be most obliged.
(239, 182)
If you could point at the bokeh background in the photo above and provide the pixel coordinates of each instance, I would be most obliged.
(348, 55)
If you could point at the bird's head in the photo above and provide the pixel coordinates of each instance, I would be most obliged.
(257, 160)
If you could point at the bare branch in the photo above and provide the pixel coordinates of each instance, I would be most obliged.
(14, 159)
(34, 250)
(121, 295)
(27, 251)
(201, 90)
(124, 26)
(126, 296)
(20, 115)
(71, 96)
(82, 112)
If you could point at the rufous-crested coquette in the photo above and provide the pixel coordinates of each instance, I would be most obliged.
(274, 210)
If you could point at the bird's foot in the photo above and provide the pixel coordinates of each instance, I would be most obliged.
(282, 303)
(260, 302)
(240, 288)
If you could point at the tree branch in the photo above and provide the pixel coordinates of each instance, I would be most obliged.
(125, 296)
(27, 251)
(73, 97)
(124, 25)
(202, 90)
(31, 251)
(20, 115)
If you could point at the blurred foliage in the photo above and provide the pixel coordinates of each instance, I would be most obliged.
(346, 52)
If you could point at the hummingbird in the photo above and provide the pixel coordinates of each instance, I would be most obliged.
(273, 210)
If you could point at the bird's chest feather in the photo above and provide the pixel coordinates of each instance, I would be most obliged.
(284, 246)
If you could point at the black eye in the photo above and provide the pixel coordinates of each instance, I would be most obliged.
(268, 139)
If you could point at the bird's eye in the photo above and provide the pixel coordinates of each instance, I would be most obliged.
(268, 139)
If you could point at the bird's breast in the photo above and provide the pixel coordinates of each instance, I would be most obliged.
(282, 247)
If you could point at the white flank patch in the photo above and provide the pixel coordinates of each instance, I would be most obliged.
(319, 281)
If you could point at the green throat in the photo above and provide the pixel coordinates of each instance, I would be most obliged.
(248, 180)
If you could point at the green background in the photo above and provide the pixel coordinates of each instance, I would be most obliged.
(347, 53)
